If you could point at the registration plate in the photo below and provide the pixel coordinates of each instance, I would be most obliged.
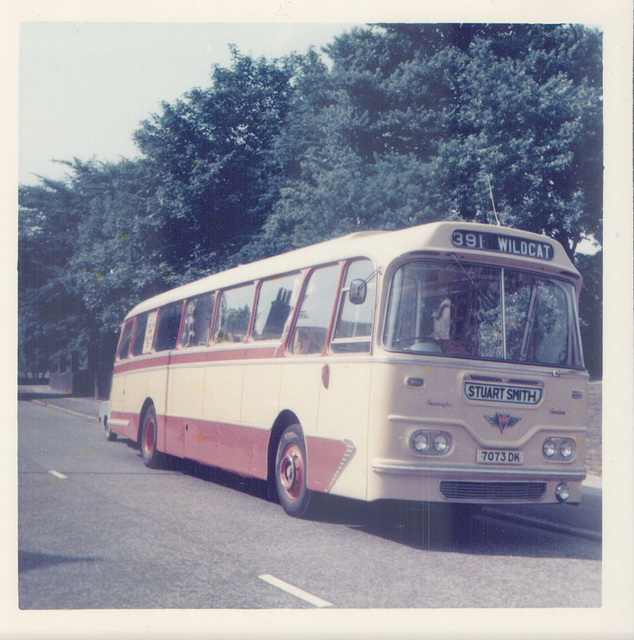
(499, 456)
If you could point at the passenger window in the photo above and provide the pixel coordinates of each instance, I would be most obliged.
(197, 321)
(354, 321)
(124, 345)
(234, 312)
(309, 334)
(140, 331)
(167, 328)
(277, 298)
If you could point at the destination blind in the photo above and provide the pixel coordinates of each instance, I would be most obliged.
(502, 243)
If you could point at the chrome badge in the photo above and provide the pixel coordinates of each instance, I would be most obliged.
(502, 420)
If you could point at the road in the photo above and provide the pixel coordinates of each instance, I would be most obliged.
(99, 530)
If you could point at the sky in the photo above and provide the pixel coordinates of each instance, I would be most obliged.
(85, 87)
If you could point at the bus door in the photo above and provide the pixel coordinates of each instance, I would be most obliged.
(159, 378)
(344, 396)
(218, 438)
(302, 374)
(186, 380)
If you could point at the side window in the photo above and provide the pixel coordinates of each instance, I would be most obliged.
(197, 321)
(169, 320)
(143, 333)
(353, 330)
(309, 334)
(277, 298)
(124, 344)
(234, 312)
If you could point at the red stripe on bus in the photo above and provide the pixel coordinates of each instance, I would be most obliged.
(208, 355)
(237, 448)
(131, 365)
(131, 431)
(323, 457)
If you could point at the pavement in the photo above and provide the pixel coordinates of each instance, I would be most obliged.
(40, 394)
(584, 520)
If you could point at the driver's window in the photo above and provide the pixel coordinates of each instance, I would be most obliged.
(353, 330)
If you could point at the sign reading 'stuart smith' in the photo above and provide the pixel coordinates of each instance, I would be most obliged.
(502, 243)
(511, 393)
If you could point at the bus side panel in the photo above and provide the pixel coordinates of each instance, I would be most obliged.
(299, 391)
(117, 392)
(185, 400)
(222, 398)
(242, 449)
(325, 458)
(135, 394)
(261, 394)
(344, 407)
(119, 408)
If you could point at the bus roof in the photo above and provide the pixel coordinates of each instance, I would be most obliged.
(382, 247)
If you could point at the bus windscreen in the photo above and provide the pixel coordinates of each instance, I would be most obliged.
(484, 312)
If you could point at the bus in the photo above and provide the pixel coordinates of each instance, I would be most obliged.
(436, 364)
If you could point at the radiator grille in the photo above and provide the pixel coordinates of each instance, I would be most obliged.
(477, 378)
(492, 491)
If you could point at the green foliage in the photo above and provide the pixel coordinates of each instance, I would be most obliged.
(414, 122)
(120, 242)
(210, 154)
(49, 312)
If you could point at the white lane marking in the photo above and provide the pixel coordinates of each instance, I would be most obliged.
(295, 591)
(59, 475)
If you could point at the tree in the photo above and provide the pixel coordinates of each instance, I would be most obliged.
(453, 108)
(48, 308)
(91, 247)
(209, 152)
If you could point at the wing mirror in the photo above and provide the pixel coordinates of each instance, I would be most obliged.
(358, 291)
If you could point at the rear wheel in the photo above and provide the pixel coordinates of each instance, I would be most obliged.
(110, 434)
(149, 436)
(290, 472)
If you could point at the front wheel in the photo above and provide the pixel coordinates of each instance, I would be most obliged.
(149, 436)
(290, 472)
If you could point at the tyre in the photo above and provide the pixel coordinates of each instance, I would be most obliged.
(111, 436)
(290, 472)
(149, 436)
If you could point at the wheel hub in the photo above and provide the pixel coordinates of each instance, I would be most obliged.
(289, 471)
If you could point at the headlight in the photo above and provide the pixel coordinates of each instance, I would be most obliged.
(419, 442)
(562, 492)
(441, 443)
(549, 448)
(430, 442)
(559, 448)
(566, 449)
